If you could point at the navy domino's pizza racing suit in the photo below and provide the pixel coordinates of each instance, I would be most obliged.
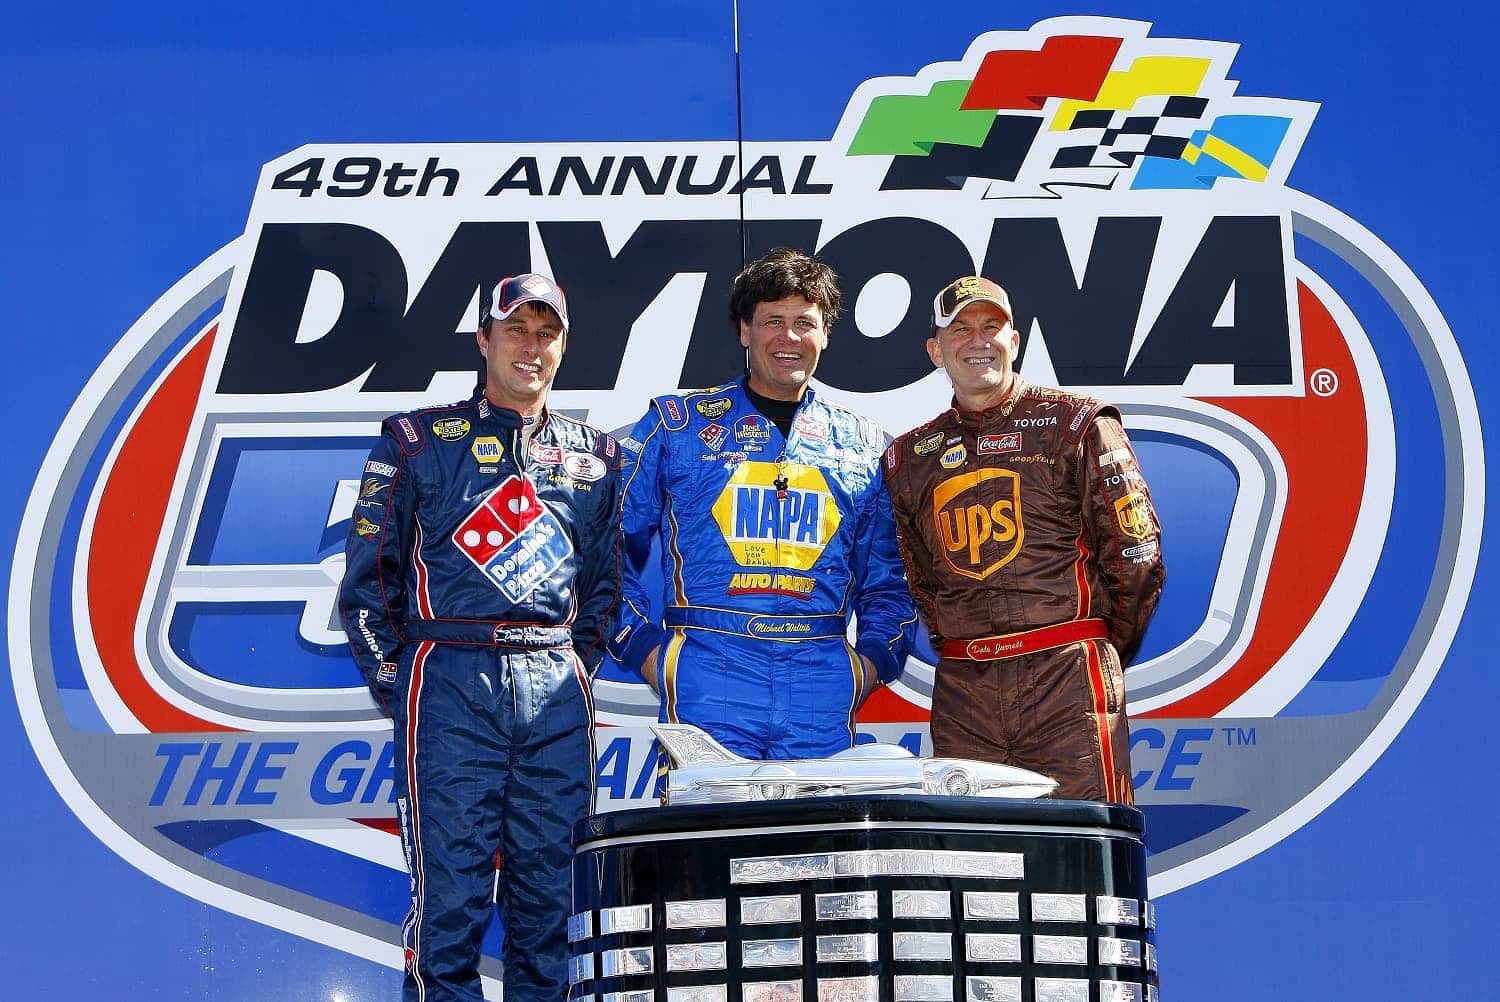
(481, 574)
(767, 546)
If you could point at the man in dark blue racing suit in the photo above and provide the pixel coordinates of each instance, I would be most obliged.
(774, 529)
(482, 572)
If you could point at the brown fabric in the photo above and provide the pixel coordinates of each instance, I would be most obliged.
(1008, 522)
(1027, 515)
(1060, 713)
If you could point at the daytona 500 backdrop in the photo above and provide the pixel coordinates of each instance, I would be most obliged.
(235, 240)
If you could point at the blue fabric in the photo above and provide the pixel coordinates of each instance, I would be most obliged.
(480, 577)
(494, 751)
(701, 474)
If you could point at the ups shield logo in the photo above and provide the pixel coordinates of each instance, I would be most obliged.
(979, 526)
(1134, 514)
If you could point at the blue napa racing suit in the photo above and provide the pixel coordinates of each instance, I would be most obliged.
(481, 574)
(768, 545)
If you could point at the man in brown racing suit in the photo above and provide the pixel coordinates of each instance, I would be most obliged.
(1033, 552)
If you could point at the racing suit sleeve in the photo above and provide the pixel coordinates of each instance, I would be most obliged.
(371, 596)
(915, 556)
(641, 500)
(886, 626)
(598, 580)
(1126, 536)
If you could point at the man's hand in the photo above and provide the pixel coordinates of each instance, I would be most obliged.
(648, 669)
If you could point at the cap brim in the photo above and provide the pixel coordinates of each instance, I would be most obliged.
(942, 323)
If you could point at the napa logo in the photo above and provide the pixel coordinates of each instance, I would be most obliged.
(487, 449)
(777, 515)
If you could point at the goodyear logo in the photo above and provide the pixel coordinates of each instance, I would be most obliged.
(763, 529)
(715, 408)
(1134, 514)
(978, 521)
(451, 429)
(487, 449)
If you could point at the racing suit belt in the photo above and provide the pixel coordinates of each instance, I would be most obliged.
(765, 626)
(1009, 645)
(488, 633)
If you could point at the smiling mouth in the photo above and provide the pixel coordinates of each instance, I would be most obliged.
(528, 368)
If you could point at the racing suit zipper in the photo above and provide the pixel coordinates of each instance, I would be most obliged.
(515, 451)
(780, 483)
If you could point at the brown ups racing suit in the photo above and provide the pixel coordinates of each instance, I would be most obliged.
(1034, 554)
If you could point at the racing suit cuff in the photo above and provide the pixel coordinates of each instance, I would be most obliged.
(631, 644)
(882, 658)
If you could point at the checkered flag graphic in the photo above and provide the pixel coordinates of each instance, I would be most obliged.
(1157, 126)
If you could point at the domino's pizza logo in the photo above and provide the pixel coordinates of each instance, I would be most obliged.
(178, 658)
(514, 538)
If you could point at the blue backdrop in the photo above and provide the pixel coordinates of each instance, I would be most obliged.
(138, 135)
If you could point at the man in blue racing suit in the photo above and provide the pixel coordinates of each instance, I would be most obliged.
(482, 572)
(774, 528)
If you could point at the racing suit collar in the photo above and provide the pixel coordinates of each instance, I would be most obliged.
(992, 415)
(808, 395)
(505, 416)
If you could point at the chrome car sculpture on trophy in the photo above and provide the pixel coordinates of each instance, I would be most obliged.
(702, 771)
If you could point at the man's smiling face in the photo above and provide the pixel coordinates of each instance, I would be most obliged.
(978, 351)
(783, 341)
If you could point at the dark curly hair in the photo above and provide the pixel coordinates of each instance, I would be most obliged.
(781, 273)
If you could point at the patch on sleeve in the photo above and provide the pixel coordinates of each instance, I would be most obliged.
(409, 434)
(1134, 514)
(674, 414)
(892, 458)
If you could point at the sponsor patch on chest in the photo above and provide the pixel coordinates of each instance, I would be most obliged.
(999, 445)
